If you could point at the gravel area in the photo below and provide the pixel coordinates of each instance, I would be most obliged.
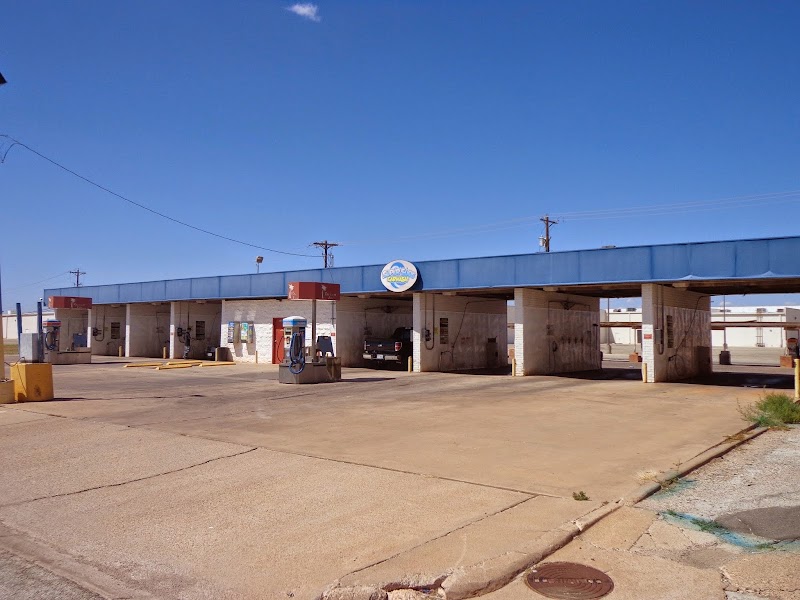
(762, 473)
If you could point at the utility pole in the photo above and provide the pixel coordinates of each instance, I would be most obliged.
(77, 272)
(547, 222)
(326, 246)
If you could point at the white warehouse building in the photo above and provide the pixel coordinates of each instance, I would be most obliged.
(744, 330)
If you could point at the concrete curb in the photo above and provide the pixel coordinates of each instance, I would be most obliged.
(497, 572)
(698, 461)
(85, 575)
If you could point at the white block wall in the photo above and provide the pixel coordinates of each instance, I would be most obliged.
(147, 329)
(262, 312)
(690, 354)
(555, 333)
(358, 318)
(101, 317)
(472, 322)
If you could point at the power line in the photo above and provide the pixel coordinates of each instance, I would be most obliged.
(15, 142)
(19, 287)
(636, 211)
(326, 245)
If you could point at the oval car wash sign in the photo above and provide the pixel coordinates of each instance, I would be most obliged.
(399, 276)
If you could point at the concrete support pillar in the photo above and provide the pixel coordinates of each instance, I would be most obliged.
(128, 329)
(89, 327)
(424, 345)
(555, 333)
(174, 316)
(676, 333)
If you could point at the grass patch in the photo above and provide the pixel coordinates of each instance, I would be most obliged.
(708, 526)
(772, 410)
(766, 546)
(581, 496)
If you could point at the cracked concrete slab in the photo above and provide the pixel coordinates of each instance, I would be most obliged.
(636, 577)
(491, 443)
(518, 434)
(12, 416)
(361, 475)
(515, 529)
(50, 456)
(620, 530)
(773, 574)
(262, 524)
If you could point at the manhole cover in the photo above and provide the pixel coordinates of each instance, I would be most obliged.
(569, 581)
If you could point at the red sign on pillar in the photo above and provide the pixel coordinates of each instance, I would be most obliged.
(313, 290)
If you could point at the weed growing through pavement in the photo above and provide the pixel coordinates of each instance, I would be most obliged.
(736, 437)
(768, 546)
(657, 477)
(772, 410)
(708, 526)
(580, 496)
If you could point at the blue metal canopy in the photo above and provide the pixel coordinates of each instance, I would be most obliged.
(738, 266)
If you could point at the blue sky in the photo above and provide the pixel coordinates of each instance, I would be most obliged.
(409, 129)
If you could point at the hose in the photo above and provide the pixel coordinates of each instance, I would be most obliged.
(297, 355)
(51, 340)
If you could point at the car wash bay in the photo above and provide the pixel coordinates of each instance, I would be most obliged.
(457, 308)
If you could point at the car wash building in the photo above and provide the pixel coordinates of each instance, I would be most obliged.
(457, 309)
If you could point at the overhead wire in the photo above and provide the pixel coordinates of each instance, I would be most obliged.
(19, 287)
(15, 142)
(611, 213)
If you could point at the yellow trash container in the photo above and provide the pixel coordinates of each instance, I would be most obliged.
(32, 381)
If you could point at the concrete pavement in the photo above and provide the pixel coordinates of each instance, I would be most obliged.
(222, 483)
(673, 545)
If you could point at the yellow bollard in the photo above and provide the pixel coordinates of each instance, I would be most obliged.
(797, 380)
(119, 351)
(164, 353)
(644, 372)
(410, 364)
(513, 367)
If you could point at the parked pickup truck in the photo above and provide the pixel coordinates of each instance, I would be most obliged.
(394, 350)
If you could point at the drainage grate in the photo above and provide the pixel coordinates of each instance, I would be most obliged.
(568, 581)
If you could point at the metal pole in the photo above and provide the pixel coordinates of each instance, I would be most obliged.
(724, 327)
(313, 331)
(19, 324)
(40, 358)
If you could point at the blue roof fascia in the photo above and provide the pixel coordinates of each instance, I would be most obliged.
(724, 260)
